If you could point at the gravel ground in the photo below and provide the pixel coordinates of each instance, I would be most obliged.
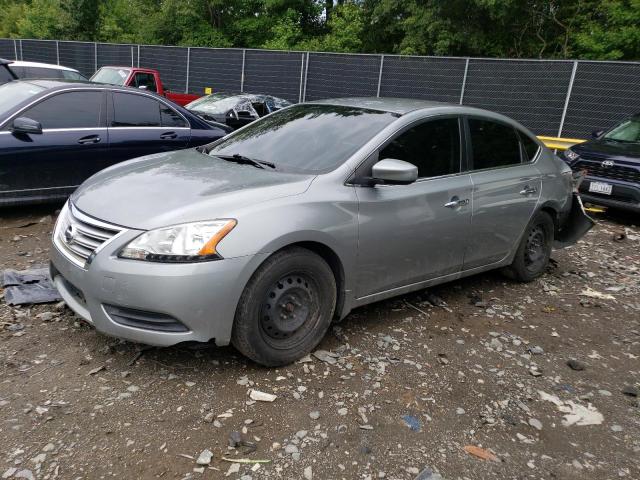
(479, 378)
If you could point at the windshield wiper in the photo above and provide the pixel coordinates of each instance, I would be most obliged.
(246, 160)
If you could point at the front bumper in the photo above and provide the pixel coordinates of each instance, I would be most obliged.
(624, 195)
(202, 297)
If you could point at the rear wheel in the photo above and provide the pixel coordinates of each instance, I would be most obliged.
(534, 251)
(286, 308)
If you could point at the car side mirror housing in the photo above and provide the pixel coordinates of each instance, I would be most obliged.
(26, 125)
(597, 133)
(394, 172)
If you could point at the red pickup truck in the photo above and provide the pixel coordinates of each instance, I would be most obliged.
(143, 78)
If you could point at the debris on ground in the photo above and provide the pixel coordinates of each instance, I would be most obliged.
(27, 287)
(394, 391)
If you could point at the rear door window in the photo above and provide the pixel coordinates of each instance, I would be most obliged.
(493, 144)
(69, 110)
(433, 147)
(131, 110)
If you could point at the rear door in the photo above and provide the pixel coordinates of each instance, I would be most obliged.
(141, 124)
(506, 189)
(411, 233)
(72, 146)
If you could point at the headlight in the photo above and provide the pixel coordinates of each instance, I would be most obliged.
(571, 155)
(189, 242)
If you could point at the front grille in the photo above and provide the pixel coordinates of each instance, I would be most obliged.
(616, 172)
(78, 236)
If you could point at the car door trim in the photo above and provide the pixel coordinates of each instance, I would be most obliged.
(39, 189)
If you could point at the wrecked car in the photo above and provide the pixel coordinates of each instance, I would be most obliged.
(263, 238)
(235, 109)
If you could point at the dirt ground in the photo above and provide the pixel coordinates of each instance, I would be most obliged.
(469, 380)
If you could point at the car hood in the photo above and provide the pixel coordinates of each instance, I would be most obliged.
(178, 187)
(603, 149)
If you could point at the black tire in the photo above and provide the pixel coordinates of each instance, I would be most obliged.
(286, 308)
(534, 251)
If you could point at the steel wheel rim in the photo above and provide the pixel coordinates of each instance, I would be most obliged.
(535, 253)
(289, 311)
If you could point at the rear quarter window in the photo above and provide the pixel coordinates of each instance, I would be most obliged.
(530, 147)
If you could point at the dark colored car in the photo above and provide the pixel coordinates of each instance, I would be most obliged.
(235, 109)
(56, 134)
(612, 163)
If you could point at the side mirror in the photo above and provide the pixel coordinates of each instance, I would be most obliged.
(26, 125)
(597, 133)
(395, 172)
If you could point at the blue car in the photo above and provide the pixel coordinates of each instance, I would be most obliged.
(55, 134)
(612, 163)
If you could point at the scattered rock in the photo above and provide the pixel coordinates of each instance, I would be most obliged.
(205, 457)
(290, 449)
(535, 423)
(327, 357)
(576, 365)
(308, 473)
(262, 396)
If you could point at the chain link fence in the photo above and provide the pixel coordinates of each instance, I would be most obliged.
(550, 97)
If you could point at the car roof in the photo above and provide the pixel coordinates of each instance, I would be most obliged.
(239, 96)
(20, 63)
(400, 106)
(51, 84)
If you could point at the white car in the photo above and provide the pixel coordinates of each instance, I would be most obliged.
(27, 70)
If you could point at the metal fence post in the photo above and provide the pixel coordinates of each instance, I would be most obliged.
(464, 80)
(132, 64)
(21, 56)
(380, 75)
(301, 77)
(566, 101)
(138, 55)
(186, 88)
(306, 74)
(95, 56)
(244, 54)
(57, 52)
(15, 49)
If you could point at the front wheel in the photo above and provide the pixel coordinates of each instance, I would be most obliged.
(286, 308)
(534, 251)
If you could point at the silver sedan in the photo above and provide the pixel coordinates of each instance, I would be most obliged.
(266, 236)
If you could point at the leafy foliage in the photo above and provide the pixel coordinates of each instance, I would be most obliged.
(594, 29)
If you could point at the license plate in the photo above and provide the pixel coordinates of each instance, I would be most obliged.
(601, 187)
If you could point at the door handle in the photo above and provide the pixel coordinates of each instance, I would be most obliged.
(527, 190)
(169, 136)
(89, 140)
(457, 202)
